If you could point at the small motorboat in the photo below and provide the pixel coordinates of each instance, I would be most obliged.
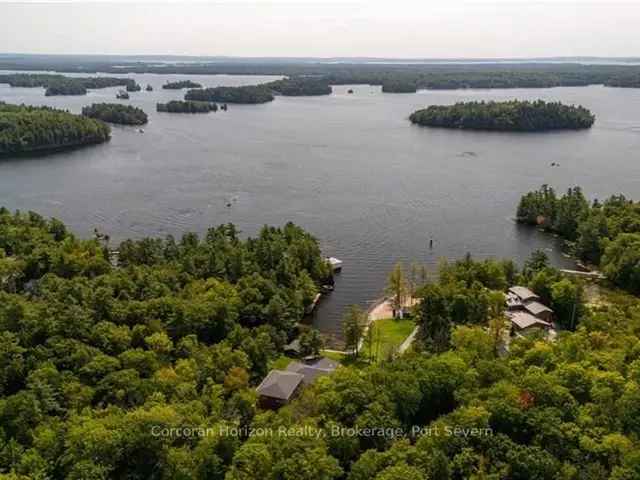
(336, 263)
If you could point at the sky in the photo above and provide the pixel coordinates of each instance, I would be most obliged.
(358, 28)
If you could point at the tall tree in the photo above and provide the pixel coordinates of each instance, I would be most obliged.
(434, 319)
(397, 288)
(353, 325)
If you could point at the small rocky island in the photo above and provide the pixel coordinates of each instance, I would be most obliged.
(116, 113)
(515, 115)
(26, 129)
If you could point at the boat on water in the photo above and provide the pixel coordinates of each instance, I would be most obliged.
(336, 263)
(122, 95)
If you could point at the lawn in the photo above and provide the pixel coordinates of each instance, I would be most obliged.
(280, 363)
(388, 335)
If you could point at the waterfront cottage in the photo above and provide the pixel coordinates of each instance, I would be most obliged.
(523, 324)
(523, 299)
(526, 312)
(517, 296)
(539, 310)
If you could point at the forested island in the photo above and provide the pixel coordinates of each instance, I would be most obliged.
(149, 369)
(25, 129)
(263, 92)
(62, 85)
(605, 233)
(250, 94)
(65, 88)
(181, 84)
(116, 113)
(515, 115)
(300, 86)
(187, 106)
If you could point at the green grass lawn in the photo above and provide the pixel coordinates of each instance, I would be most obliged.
(280, 363)
(338, 357)
(388, 335)
(346, 360)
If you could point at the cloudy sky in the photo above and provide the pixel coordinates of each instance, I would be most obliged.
(391, 28)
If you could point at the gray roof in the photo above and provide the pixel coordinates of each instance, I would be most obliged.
(525, 320)
(309, 373)
(279, 384)
(313, 369)
(523, 293)
(536, 308)
(324, 363)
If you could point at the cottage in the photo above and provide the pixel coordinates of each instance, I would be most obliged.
(539, 310)
(312, 369)
(526, 312)
(523, 293)
(523, 324)
(523, 299)
(518, 296)
(278, 388)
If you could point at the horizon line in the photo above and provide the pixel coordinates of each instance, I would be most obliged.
(325, 58)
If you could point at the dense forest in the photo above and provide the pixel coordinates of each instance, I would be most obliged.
(626, 81)
(65, 88)
(62, 85)
(116, 113)
(399, 85)
(250, 94)
(299, 86)
(148, 370)
(393, 76)
(314, 78)
(515, 115)
(25, 129)
(180, 85)
(187, 106)
(604, 234)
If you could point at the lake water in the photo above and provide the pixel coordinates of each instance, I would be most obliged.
(350, 168)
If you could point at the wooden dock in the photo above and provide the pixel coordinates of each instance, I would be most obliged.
(579, 273)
